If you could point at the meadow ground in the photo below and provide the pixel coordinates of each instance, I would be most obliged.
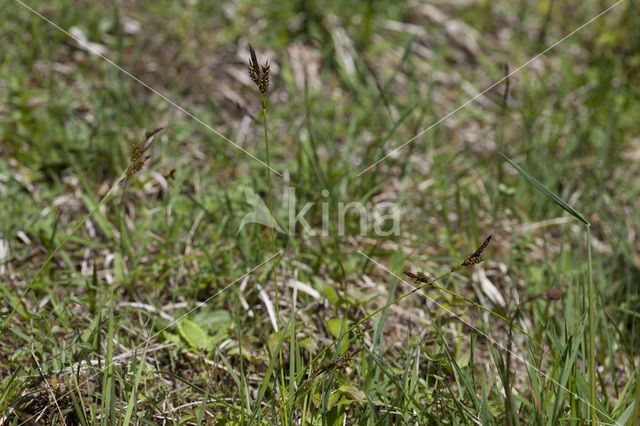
(140, 284)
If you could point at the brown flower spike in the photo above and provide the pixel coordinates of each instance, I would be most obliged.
(418, 278)
(341, 362)
(476, 257)
(259, 74)
(136, 157)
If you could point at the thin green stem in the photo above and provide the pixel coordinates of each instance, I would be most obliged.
(592, 330)
(357, 324)
(273, 246)
(502, 317)
(242, 375)
(60, 246)
(430, 284)
(636, 409)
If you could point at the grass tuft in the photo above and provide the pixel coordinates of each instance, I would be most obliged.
(154, 307)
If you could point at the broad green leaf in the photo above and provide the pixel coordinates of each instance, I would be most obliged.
(333, 326)
(274, 341)
(194, 335)
(308, 344)
(316, 398)
(171, 337)
(332, 295)
(353, 392)
(547, 193)
(463, 360)
(213, 320)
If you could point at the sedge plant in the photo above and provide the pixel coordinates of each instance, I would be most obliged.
(260, 76)
(137, 158)
(591, 298)
(422, 282)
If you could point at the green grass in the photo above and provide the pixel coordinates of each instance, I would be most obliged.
(103, 279)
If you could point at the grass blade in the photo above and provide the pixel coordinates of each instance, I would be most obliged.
(547, 193)
(134, 389)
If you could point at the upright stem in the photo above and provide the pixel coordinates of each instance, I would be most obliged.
(273, 243)
(592, 330)
(59, 247)
(358, 324)
(636, 410)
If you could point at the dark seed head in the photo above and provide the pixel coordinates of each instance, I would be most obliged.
(419, 277)
(554, 293)
(476, 257)
(259, 74)
(136, 158)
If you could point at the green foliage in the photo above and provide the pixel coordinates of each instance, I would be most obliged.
(547, 193)
(102, 289)
(195, 337)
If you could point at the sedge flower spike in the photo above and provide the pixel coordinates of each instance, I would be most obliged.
(259, 74)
